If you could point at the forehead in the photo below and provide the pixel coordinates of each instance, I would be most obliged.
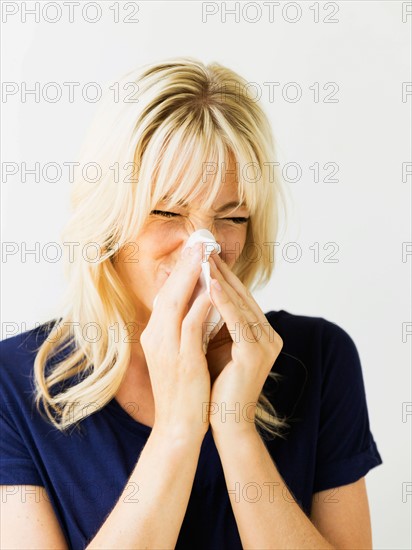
(228, 190)
(222, 203)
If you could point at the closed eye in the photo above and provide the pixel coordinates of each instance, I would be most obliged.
(236, 220)
(173, 214)
(164, 214)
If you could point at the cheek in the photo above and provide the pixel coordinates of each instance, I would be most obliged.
(156, 241)
(160, 234)
(232, 242)
(162, 241)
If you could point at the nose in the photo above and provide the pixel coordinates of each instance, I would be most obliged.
(196, 223)
(208, 247)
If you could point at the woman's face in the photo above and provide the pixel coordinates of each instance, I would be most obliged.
(145, 265)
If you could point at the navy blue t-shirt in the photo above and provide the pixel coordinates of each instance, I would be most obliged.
(328, 444)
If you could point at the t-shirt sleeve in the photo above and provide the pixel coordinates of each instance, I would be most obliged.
(346, 449)
(16, 465)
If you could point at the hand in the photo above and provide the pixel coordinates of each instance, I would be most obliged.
(172, 343)
(240, 357)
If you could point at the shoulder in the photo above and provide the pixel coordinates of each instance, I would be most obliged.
(292, 322)
(318, 358)
(25, 342)
(310, 334)
(20, 424)
(17, 354)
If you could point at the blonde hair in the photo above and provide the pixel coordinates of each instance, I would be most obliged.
(180, 121)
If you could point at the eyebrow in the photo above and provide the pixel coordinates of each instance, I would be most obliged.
(226, 206)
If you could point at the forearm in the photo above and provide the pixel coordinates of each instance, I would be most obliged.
(264, 517)
(163, 480)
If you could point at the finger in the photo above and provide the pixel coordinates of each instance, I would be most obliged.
(238, 294)
(237, 284)
(265, 326)
(238, 320)
(178, 289)
(192, 326)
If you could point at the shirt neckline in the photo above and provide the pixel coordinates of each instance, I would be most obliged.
(136, 426)
(118, 410)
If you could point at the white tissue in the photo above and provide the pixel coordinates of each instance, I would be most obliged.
(213, 322)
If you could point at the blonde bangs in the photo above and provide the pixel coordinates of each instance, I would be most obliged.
(189, 163)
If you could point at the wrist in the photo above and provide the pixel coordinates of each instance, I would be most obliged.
(233, 417)
(178, 436)
(222, 431)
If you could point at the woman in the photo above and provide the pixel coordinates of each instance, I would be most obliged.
(138, 439)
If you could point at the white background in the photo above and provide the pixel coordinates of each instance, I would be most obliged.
(366, 213)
